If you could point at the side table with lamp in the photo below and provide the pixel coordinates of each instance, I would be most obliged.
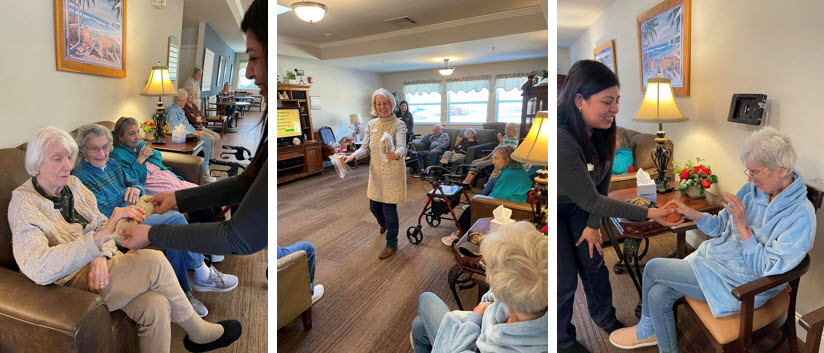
(534, 150)
(159, 84)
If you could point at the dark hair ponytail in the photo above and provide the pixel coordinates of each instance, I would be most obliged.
(587, 77)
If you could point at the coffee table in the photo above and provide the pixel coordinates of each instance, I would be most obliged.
(636, 232)
(188, 147)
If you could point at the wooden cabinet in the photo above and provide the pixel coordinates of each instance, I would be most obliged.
(297, 96)
(535, 100)
(305, 159)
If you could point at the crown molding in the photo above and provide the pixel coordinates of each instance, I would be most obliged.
(293, 40)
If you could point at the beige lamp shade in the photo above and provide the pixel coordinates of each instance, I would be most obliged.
(355, 118)
(659, 105)
(535, 148)
(159, 83)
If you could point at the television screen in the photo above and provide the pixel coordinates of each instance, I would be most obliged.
(289, 122)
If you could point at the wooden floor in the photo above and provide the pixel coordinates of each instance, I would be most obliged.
(369, 304)
(248, 302)
(691, 338)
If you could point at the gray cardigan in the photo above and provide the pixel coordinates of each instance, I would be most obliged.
(440, 142)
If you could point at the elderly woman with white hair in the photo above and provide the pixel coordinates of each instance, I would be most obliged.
(512, 316)
(59, 236)
(197, 120)
(387, 180)
(509, 138)
(176, 116)
(765, 229)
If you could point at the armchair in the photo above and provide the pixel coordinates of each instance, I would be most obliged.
(294, 296)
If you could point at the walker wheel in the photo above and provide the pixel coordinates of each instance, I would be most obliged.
(414, 234)
(433, 221)
(617, 271)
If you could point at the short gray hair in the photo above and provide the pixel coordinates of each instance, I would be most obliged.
(196, 71)
(516, 258)
(88, 132)
(190, 90)
(182, 93)
(386, 94)
(41, 140)
(771, 148)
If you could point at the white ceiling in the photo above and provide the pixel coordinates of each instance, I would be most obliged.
(463, 30)
(575, 16)
(223, 16)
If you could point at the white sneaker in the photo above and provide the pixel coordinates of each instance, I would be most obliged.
(217, 282)
(200, 309)
(209, 178)
(216, 258)
(447, 240)
(318, 292)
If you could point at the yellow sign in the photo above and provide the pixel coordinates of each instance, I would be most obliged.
(288, 123)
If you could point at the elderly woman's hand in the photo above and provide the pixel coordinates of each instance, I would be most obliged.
(98, 277)
(136, 237)
(686, 211)
(738, 214)
(481, 308)
(660, 215)
(163, 202)
(132, 212)
(131, 195)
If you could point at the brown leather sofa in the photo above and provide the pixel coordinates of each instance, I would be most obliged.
(55, 318)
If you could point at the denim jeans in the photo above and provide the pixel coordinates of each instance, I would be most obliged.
(181, 261)
(489, 186)
(387, 215)
(574, 261)
(666, 281)
(431, 311)
(231, 116)
(207, 152)
(434, 158)
(310, 257)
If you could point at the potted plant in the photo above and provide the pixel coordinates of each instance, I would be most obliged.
(148, 128)
(694, 178)
(290, 75)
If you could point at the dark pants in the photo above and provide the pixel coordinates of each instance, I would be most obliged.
(387, 215)
(434, 158)
(573, 262)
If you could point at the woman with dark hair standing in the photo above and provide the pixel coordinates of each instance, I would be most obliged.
(587, 108)
(246, 232)
(405, 116)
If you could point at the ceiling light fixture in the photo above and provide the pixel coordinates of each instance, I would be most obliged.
(446, 70)
(309, 11)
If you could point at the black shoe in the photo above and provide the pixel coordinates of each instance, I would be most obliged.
(231, 332)
(615, 325)
(574, 348)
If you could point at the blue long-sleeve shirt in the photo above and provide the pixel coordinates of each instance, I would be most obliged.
(108, 184)
(441, 142)
(175, 116)
(127, 158)
(783, 231)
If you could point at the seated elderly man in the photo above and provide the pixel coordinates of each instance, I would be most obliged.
(765, 229)
(176, 116)
(59, 236)
(113, 188)
(437, 142)
(513, 319)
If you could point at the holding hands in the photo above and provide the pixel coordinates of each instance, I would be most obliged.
(163, 202)
(686, 211)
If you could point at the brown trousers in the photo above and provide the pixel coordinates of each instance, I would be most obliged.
(143, 284)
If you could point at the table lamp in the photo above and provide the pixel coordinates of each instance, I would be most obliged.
(534, 150)
(659, 106)
(159, 85)
(353, 119)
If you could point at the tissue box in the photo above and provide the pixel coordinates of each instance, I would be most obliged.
(647, 192)
(495, 224)
(179, 136)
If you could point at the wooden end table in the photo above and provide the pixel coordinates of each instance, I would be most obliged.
(636, 232)
(468, 266)
(188, 147)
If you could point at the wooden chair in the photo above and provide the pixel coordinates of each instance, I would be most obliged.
(257, 101)
(211, 115)
(734, 333)
(813, 322)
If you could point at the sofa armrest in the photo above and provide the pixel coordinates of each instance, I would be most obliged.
(476, 152)
(188, 166)
(482, 206)
(294, 295)
(418, 145)
(51, 318)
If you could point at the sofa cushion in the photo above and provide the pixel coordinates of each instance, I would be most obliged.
(14, 174)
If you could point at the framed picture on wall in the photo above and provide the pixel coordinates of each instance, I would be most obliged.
(664, 44)
(219, 70)
(208, 69)
(605, 53)
(90, 37)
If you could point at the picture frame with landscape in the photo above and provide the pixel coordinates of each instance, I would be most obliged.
(90, 37)
(605, 54)
(664, 44)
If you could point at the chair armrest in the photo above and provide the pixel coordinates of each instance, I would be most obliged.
(751, 289)
(476, 152)
(294, 295)
(813, 322)
(54, 316)
(812, 318)
(482, 206)
(419, 146)
(188, 166)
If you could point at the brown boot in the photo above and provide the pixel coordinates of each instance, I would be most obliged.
(383, 229)
(387, 252)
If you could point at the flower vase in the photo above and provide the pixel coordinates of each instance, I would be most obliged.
(696, 192)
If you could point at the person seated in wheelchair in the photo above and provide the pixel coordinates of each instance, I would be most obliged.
(436, 142)
(510, 138)
(766, 229)
(511, 317)
(512, 184)
(458, 153)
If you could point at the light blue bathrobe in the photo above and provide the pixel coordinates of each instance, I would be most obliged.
(465, 331)
(783, 232)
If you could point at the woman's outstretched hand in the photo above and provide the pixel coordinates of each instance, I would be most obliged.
(163, 202)
(348, 159)
(136, 237)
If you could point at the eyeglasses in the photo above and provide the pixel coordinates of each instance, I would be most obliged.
(754, 177)
(97, 149)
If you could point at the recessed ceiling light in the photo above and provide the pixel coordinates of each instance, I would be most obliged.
(329, 35)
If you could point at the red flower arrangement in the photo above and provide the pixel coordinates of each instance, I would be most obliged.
(698, 174)
(148, 126)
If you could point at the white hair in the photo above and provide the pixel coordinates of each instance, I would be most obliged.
(516, 266)
(771, 148)
(386, 94)
(40, 142)
(88, 132)
(514, 126)
(182, 93)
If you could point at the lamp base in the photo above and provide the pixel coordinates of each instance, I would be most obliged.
(159, 119)
(663, 188)
(661, 156)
